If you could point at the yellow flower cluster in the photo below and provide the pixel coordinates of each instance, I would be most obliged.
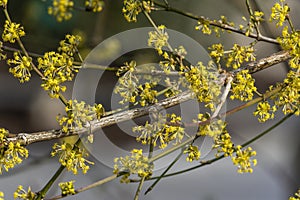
(158, 39)
(94, 5)
(61, 9)
(11, 153)
(3, 3)
(290, 42)
(137, 163)
(289, 97)
(243, 159)
(131, 8)
(279, 13)
(72, 157)
(12, 31)
(67, 188)
(161, 132)
(193, 153)
(1, 195)
(255, 20)
(127, 84)
(238, 55)
(147, 94)
(79, 114)
(203, 81)
(20, 193)
(57, 69)
(169, 63)
(217, 52)
(264, 111)
(22, 67)
(204, 26)
(212, 128)
(223, 144)
(296, 197)
(243, 86)
(69, 45)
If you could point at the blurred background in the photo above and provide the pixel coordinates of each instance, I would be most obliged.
(27, 108)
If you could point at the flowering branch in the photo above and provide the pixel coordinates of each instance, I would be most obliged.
(29, 138)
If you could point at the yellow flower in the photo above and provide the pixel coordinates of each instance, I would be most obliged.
(296, 197)
(243, 159)
(22, 68)
(238, 55)
(131, 8)
(11, 153)
(279, 13)
(243, 86)
(72, 157)
(193, 153)
(12, 31)
(264, 111)
(158, 39)
(94, 5)
(61, 9)
(20, 193)
(137, 163)
(67, 188)
(3, 3)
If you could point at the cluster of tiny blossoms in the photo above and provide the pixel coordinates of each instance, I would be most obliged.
(12, 31)
(3, 3)
(264, 111)
(223, 144)
(67, 188)
(234, 57)
(131, 8)
(11, 153)
(161, 131)
(130, 89)
(69, 45)
(193, 153)
(94, 5)
(79, 114)
(58, 68)
(20, 193)
(137, 164)
(128, 83)
(279, 13)
(243, 86)
(22, 67)
(211, 129)
(1, 195)
(72, 157)
(241, 158)
(61, 9)
(158, 39)
(296, 197)
(203, 81)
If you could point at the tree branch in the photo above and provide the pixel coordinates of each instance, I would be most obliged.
(216, 23)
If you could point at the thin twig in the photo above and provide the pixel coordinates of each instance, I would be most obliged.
(93, 185)
(216, 23)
